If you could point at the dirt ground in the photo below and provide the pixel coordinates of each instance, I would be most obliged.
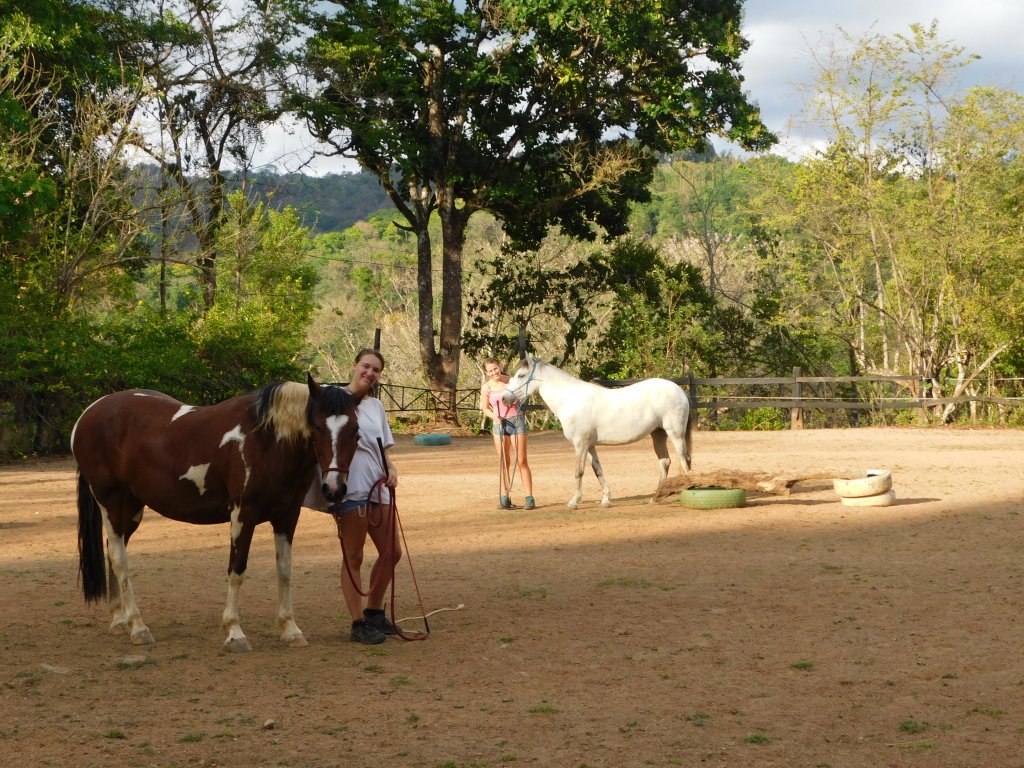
(792, 632)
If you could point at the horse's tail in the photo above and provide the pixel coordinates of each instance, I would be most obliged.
(691, 418)
(92, 565)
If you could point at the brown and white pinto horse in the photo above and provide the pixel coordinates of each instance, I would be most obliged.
(245, 461)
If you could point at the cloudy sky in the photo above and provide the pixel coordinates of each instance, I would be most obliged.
(783, 34)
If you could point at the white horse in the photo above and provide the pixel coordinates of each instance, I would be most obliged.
(592, 415)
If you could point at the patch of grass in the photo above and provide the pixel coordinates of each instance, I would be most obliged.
(192, 738)
(802, 665)
(399, 680)
(376, 668)
(539, 592)
(918, 746)
(698, 718)
(507, 639)
(137, 665)
(756, 738)
(913, 726)
(115, 733)
(988, 711)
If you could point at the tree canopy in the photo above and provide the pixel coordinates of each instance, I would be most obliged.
(541, 112)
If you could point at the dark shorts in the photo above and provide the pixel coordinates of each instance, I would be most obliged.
(515, 425)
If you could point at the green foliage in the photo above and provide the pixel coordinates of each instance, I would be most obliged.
(663, 320)
(553, 303)
(541, 113)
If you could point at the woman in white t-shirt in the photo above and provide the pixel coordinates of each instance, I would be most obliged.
(366, 508)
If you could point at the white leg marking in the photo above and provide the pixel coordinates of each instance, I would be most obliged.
(197, 474)
(290, 632)
(123, 608)
(235, 638)
(236, 523)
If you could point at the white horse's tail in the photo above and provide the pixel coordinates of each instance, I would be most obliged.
(691, 418)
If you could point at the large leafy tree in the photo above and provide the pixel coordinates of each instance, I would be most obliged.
(912, 212)
(542, 112)
(213, 69)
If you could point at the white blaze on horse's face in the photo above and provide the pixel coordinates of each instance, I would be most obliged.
(334, 482)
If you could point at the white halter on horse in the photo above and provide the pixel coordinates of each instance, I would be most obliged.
(592, 415)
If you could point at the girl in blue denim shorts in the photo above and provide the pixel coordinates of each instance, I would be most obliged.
(509, 424)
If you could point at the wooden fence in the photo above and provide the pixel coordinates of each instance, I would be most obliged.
(857, 396)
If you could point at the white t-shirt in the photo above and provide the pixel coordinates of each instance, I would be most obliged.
(367, 465)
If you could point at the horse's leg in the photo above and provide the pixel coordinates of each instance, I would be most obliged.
(682, 449)
(241, 539)
(606, 491)
(581, 465)
(290, 633)
(660, 439)
(125, 617)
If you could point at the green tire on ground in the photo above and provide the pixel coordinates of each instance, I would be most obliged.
(433, 439)
(712, 497)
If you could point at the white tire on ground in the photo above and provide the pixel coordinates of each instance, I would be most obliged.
(709, 497)
(886, 499)
(878, 481)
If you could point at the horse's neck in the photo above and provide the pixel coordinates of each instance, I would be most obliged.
(555, 385)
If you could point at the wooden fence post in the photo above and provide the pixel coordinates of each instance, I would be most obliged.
(796, 414)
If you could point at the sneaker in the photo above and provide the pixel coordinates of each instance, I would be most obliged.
(378, 620)
(504, 502)
(365, 634)
(530, 503)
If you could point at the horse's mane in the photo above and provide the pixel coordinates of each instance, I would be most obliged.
(333, 399)
(282, 406)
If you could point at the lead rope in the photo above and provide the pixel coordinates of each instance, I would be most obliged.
(504, 473)
(395, 527)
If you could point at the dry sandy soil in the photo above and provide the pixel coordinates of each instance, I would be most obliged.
(792, 632)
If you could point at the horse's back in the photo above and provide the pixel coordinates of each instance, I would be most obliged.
(630, 413)
(149, 442)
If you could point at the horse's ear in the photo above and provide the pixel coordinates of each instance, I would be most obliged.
(314, 388)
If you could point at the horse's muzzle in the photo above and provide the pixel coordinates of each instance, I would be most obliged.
(334, 491)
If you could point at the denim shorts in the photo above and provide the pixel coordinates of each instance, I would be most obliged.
(348, 506)
(516, 425)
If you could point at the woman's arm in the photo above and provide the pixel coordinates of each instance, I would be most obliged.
(485, 403)
(390, 469)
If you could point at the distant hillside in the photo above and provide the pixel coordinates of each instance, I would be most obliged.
(326, 203)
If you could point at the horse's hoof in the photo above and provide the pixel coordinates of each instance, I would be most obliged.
(142, 637)
(605, 503)
(295, 641)
(237, 645)
(119, 628)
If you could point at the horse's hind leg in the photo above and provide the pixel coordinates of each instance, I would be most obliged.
(124, 611)
(290, 632)
(606, 492)
(660, 439)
